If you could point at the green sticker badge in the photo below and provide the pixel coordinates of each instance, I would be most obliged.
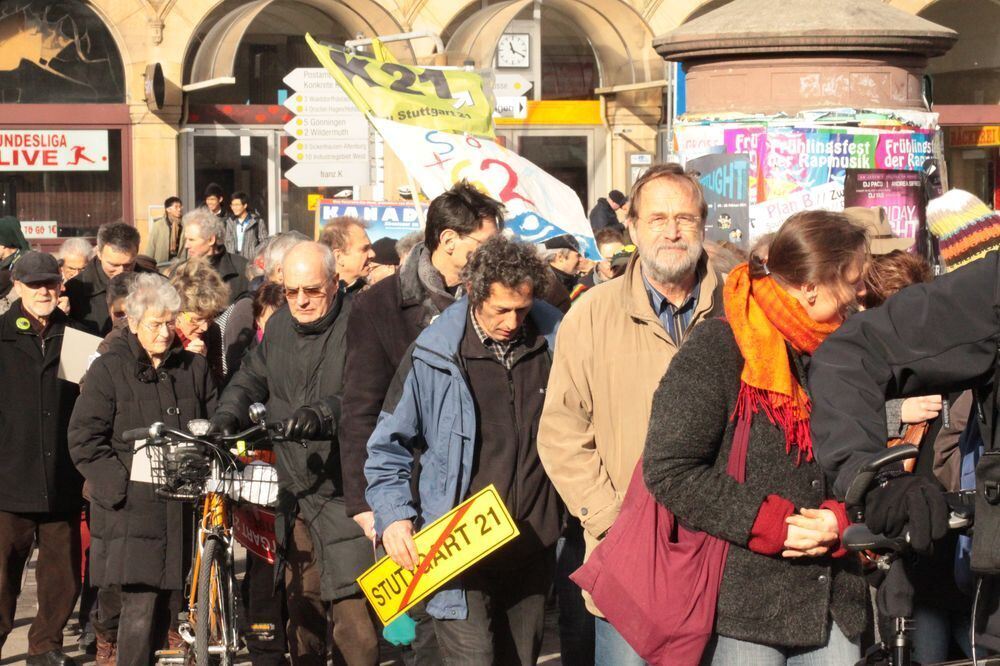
(23, 323)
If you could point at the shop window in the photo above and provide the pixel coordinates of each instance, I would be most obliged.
(569, 68)
(76, 201)
(57, 53)
(272, 46)
(969, 73)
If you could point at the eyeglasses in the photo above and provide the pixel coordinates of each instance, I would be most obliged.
(291, 293)
(478, 241)
(195, 320)
(683, 222)
(157, 326)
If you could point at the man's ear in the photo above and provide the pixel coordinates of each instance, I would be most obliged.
(447, 240)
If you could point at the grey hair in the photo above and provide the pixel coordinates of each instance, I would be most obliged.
(79, 246)
(406, 244)
(277, 247)
(151, 291)
(510, 263)
(208, 224)
(548, 256)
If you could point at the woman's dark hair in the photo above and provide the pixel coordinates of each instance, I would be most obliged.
(461, 209)
(269, 295)
(888, 273)
(812, 247)
(510, 263)
(119, 286)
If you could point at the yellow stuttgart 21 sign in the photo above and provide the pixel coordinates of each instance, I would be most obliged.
(447, 547)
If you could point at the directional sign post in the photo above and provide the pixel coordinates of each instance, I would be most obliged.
(332, 135)
(510, 85)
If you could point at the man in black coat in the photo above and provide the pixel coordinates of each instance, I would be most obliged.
(386, 319)
(117, 247)
(298, 371)
(204, 236)
(39, 487)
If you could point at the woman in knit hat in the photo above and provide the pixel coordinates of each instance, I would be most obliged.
(965, 227)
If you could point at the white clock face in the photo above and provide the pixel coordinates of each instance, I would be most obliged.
(513, 50)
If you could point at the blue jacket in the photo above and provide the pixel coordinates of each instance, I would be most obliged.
(430, 407)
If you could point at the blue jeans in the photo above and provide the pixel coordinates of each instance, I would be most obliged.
(610, 649)
(576, 624)
(838, 651)
(934, 630)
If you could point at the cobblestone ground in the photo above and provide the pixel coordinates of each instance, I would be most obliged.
(15, 650)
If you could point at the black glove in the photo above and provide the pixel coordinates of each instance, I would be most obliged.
(223, 424)
(304, 424)
(908, 501)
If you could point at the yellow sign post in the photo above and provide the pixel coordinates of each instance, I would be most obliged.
(450, 100)
(446, 548)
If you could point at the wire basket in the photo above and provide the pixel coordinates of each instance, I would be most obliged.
(179, 468)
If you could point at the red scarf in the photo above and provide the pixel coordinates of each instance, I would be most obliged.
(764, 317)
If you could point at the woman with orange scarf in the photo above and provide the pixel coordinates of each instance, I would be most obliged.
(787, 596)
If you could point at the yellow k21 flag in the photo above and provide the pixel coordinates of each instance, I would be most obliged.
(447, 100)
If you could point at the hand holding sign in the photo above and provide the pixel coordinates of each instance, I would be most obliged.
(399, 544)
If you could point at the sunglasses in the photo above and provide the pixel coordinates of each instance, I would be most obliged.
(291, 293)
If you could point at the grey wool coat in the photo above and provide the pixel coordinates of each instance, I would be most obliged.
(763, 599)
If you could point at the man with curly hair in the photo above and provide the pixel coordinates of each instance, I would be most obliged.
(469, 397)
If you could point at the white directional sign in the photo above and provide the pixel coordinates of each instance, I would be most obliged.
(328, 151)
(511, 107)
(332, 135)
(510, 85)
(312, 80)
(319, 174)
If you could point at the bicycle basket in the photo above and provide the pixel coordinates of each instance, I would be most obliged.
(260, 484)
(179, 469)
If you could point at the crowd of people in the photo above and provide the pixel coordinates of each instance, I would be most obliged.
(417, 372)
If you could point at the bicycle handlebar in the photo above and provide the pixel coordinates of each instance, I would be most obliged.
(854, 499)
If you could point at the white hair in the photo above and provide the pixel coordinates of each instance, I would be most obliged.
(277, 247)
(151, 291)
(208, 224)
(77, 246)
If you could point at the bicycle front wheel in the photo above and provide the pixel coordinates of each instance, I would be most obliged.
(214, 619)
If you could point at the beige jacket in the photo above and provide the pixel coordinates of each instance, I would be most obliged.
(611, 352)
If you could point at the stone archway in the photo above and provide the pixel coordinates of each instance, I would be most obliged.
(620, 37)
(215, 55)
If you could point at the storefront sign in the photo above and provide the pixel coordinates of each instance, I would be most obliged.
(539, 206)
(974, 136)
(53, 150)
(898, 193)
(447, 547)
(725, 182)
(446, 99)
(35, 230)
(392, 219)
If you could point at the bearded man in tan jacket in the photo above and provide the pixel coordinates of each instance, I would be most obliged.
(612, 350)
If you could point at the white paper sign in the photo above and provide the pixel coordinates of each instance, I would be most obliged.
(78, 351)
(53, 150)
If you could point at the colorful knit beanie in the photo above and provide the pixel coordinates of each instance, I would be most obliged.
(965, 227)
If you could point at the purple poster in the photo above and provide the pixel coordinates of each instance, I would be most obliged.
(899, 193)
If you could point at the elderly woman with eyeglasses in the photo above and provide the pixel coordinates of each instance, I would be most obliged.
(136, 537)
(204, 296)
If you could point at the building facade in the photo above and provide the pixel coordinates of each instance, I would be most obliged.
(176, 94)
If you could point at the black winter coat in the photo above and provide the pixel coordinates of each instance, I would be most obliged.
(88, 299)
(385, 320)
(295, 366)
(762, 599)
(136, 537)
(931, 338)
(37, 474)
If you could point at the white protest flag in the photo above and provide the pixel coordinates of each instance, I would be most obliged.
(538, 205)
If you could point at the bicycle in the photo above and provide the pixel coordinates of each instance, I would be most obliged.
(885, 553)
(199, 467)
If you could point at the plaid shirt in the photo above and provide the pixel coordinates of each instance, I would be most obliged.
(504, 351)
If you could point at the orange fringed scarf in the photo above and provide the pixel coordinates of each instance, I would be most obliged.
(764, 317)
